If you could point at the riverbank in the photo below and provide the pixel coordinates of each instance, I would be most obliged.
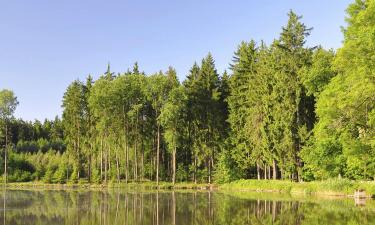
(333, 187)
(146, 185)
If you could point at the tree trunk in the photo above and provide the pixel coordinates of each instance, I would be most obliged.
(195, 167)
(274, 169)
(135, 151)
(258, 171)
(109, 160)
(5, 153)
(209, 169)
(265, 171)
(101, 159)
(105, 164)
(89, 169)
(269, 172)
(135, 162)
(78, 154)
(174, 165)
(142, 161)
(117, 167)
(157, 156)
(125, 145)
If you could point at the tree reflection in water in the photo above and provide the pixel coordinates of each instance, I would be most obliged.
(164, 208)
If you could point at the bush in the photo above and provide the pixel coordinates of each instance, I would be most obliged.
(48, 176)
(60, 174)
(95, 175)
(181, 173)
(20, 176)
(225, 170)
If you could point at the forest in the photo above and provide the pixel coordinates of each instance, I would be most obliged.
(284, 110)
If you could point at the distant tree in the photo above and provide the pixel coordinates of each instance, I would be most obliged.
(8, 104)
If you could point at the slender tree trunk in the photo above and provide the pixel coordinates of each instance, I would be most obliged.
(109, 160)
(209, 169)
(5, 153)
(269, 172)
(127, 163)
(153, 156)
(135, 151)
(195, 167)
(126, 146)
(117, 167)
(210, 166)
(135, 162)
(67, 170)
(258, 171)
(142, 161)
(298, 138)
(274, 169)
(78, 154)
(157, 156)
(174, 165)
(101, 158)
(265, 171)
(105, 164)
(89, 169)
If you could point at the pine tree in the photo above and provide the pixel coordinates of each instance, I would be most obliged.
(73, 116)
(294, 110)
(243, 68)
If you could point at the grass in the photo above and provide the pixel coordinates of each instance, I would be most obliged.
(146, 185)
(331, 187)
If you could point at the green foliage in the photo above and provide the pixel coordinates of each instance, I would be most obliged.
(20, 170)
(60, 174)
(285, 111)
(48, 176)
(8, 104)
(95, 176)
(345, 130)
(318, 75)
(226, 170)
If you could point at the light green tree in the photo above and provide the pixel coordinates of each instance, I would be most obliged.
(8, 104)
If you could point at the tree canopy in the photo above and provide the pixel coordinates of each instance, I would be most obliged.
(284, 110)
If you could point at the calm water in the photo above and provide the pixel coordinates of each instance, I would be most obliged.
(129, 207)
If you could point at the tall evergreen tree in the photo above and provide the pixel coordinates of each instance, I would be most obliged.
(73, 117)
(294, 110)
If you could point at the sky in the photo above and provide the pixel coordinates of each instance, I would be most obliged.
(45, 45)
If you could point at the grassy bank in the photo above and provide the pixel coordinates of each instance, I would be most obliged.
(148, 185)
(333, 187)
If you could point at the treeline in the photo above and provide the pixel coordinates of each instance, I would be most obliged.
(134, 127)
(26, 142)
(285, 111)
(28, 136)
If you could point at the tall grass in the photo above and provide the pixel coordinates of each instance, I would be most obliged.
(326, 187)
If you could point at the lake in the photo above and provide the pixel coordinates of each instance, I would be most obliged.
(177, 207)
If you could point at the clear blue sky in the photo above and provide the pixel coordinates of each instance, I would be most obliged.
(44, 45)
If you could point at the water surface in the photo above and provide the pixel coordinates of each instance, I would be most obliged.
(169, 207)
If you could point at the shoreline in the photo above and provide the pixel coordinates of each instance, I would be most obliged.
(334, 188)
